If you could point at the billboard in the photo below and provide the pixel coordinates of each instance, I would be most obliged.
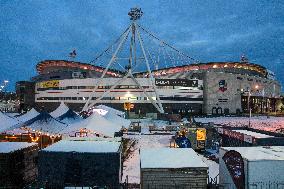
(201, 134)
(49, 84)
(176, 82)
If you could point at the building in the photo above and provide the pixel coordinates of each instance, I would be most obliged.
(25, 91)
(18, 164)
(159, 78)
(81, 164)
(208, 88)
(251, 167)
(172, 168)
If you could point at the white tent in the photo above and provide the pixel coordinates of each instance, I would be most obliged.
(6, 122)
(28, 116)
(114, 118)
(95, 123)
(62, 109)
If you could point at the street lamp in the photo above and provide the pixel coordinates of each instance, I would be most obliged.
(249, 91)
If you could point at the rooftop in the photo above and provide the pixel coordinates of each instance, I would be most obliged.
(7, 147)
(170, 158)
(84, 146)
(254, 134)
(259, 152)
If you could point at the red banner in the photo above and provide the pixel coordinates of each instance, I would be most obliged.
(234, 134)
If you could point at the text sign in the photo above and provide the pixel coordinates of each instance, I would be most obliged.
(176, 82)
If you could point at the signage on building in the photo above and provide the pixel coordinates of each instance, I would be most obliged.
(79, 75)
(201, 134)
(233, 134)
(222, 85)
(248, 138)
(176, 82)
(235, 165)
(49, 84)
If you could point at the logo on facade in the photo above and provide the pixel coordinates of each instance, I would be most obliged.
(222, 85)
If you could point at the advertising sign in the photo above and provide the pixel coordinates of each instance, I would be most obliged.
(201, 134)
(235, 165)
(49, 84)
(176, 82)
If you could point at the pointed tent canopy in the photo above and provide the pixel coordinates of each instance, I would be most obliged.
(43, 122)
(69, 117)
(6, 122)
(28, 116)
(114, 118)
(95, 123)
(62, 109)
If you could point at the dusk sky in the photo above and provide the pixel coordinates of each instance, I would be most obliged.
(32, 31)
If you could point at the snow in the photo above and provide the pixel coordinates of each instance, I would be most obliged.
(6, 122)
(42, 122)
(7, 147)
(170, 158)
(95, 123)
(213, 167)
(117, 119)
(254, 134)
(132, 163)
(109, 109)
(259, 152)
(62, 109)
(28, 116)
(257, 122)
(84, 146)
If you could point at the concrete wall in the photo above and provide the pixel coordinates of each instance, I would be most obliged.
(231, 98)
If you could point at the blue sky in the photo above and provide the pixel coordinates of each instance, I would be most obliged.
(31, 31)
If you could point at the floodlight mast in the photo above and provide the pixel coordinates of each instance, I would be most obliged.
(135, 14)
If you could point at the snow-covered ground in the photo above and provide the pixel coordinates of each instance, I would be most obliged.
(257, 122)
(132, 163)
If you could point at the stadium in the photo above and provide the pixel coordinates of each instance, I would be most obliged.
(153, 76)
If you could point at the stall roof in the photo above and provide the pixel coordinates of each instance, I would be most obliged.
(170, 158)
(259, 152)
(7, 147)
(60, 110)
(84, 146)
(254, 134)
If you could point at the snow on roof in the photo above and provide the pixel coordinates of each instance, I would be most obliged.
(170, 158)
(84, 146)
(7, 147)
(254, 134)
(28, 116)
(69, 117)
(42, 122)
(62, 109)
(96, 123)
(259, 152)
(109, 109)
(6, 122)
(111, 116)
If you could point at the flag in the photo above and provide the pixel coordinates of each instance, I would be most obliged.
(73, 54)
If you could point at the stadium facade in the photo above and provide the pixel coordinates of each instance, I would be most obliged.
(138, 73)
(204, 88)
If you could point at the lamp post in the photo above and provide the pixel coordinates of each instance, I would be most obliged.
(249, 96)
